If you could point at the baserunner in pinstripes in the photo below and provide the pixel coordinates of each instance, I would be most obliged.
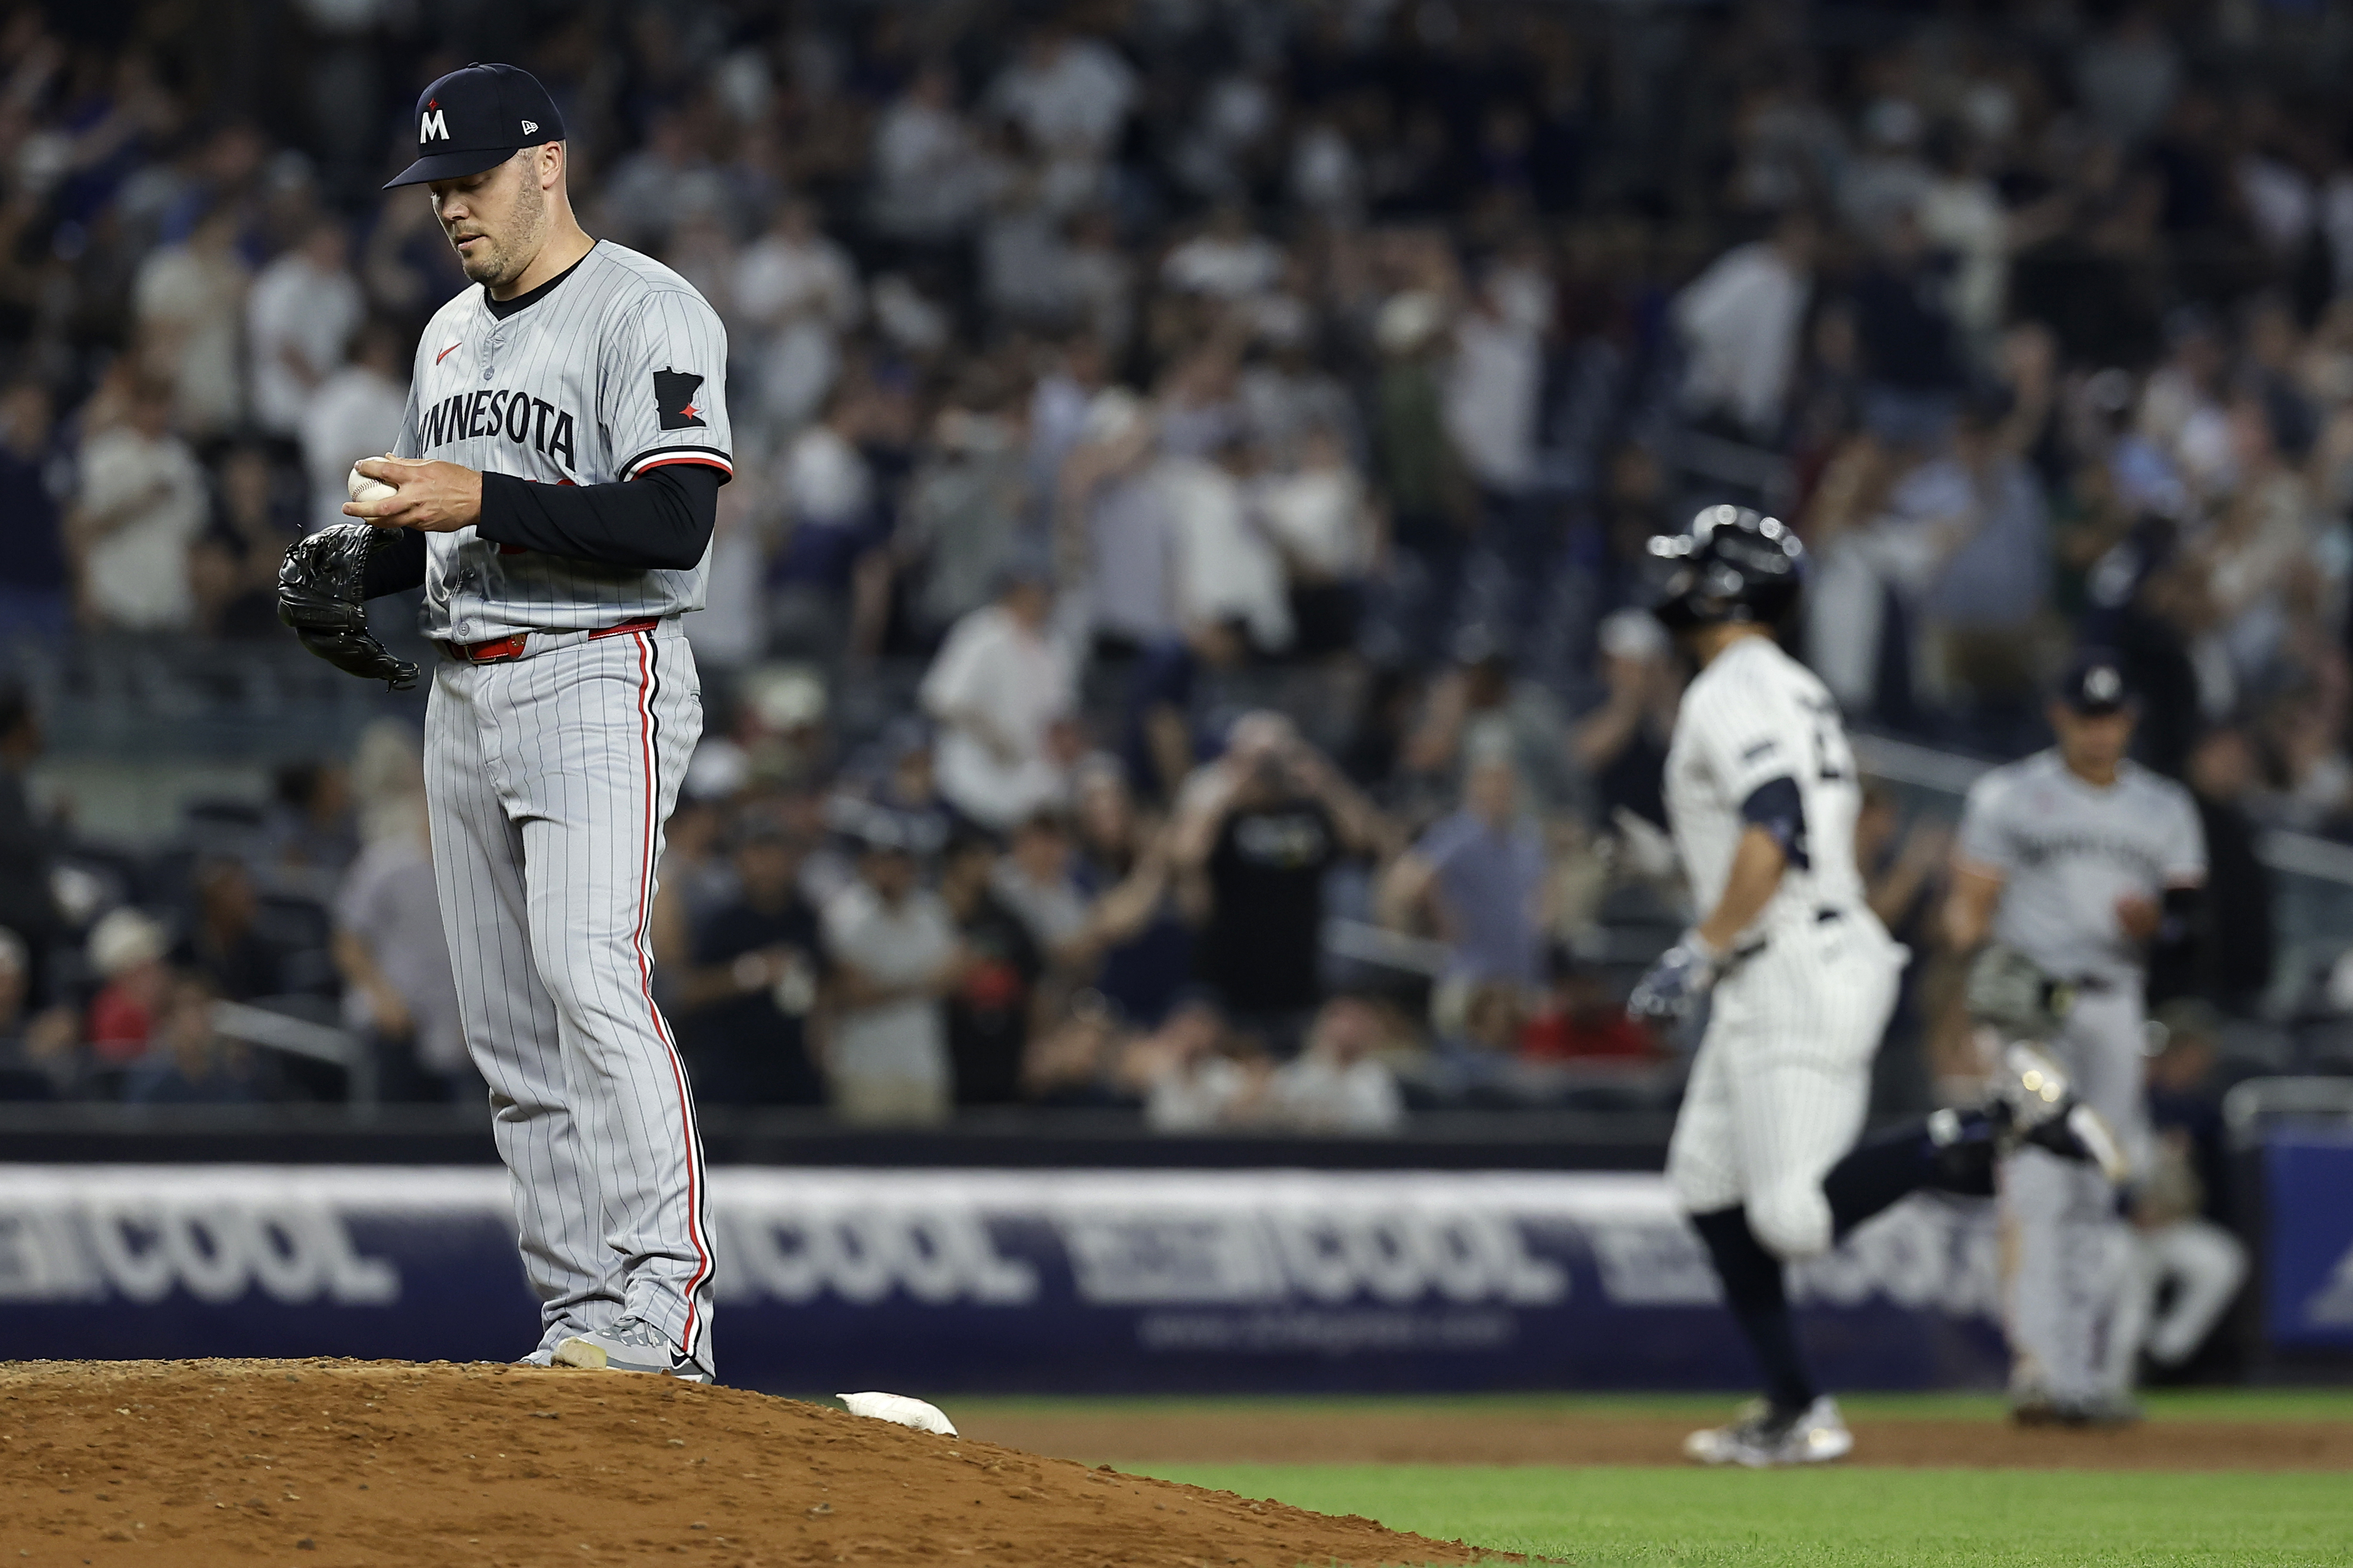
(1762, 797)
(557, 475)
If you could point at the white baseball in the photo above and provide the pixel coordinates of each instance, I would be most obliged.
(360, 487)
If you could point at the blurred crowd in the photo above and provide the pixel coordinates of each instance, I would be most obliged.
(862, 944)
(1170, 637)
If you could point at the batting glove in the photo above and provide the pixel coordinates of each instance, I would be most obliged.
(1676, 982)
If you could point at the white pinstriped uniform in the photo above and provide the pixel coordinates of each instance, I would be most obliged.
(1783, 1076)
(549, 779)
(2066, 850)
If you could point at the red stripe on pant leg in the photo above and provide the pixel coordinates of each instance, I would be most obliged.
(646, 982)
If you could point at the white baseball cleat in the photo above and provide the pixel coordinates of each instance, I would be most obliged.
(2031, 1087)
(631, 1344)
(1760, 1439)
(2040, 1108)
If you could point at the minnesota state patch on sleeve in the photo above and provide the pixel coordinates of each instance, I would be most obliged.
(674, 396)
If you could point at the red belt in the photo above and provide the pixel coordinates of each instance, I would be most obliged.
(499, 651)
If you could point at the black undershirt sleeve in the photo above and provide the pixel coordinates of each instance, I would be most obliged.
(397, 567)
(662, 519)
(1777, 806)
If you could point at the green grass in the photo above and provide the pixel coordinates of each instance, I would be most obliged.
(2200, 1404)
(1846, 1517)
(1629, 1518)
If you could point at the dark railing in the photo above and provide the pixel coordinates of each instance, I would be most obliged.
(80, 1133)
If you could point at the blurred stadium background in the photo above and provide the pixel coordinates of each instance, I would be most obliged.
(1126, 392)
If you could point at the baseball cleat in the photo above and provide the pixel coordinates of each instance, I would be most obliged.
(631, 1344)
(2102, 1410)
(2035, 1408)
(2031, 1087)
(2032, 1097)
(1760, 1439)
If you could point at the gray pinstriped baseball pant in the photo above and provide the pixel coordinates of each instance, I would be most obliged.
(548, 780)
(2071, 1252)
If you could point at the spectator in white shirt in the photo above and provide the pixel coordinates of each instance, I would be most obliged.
(1493, 384)
(1112, 515)
(1740, 320)
(968, 512)
(895, 959)
(300, 317)
(731, 631)
(1328, 177)
(190, 301)
(1225, 569)
(795, 292)
(1318, 516)
(390, 948)
(1070, 97)
(1225, 260)
(1317, 512)
(931, 177)
(141, 506)
(1337, 1085)
(1195, 1082)
(354, 414)
(832, 574)
(1004, 696)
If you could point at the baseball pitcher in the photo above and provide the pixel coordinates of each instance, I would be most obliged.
(1762, 797)
(2081, 868)
(553, 490)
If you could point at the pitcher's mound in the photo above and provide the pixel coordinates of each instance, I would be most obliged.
(206, 1463)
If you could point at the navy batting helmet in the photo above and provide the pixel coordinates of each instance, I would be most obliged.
(1730, 565)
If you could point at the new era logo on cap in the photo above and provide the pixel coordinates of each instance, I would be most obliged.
(476, 118)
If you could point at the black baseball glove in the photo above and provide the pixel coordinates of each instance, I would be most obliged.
(320, 594)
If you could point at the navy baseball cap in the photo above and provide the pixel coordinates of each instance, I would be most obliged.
(476, 118)
(2094, 683)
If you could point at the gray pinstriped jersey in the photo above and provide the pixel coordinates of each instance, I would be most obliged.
(622, 367)
(1754, 715)
(2067, 850)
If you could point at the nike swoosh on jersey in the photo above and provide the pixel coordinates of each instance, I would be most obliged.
(445, 354)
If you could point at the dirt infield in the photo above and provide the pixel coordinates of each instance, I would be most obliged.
(1470, 1437)
(209, 1464)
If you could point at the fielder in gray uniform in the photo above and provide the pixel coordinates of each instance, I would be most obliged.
(558, 475)
(1762, 796)
(2088, 865)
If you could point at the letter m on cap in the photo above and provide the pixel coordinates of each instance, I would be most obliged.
(433, 123)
